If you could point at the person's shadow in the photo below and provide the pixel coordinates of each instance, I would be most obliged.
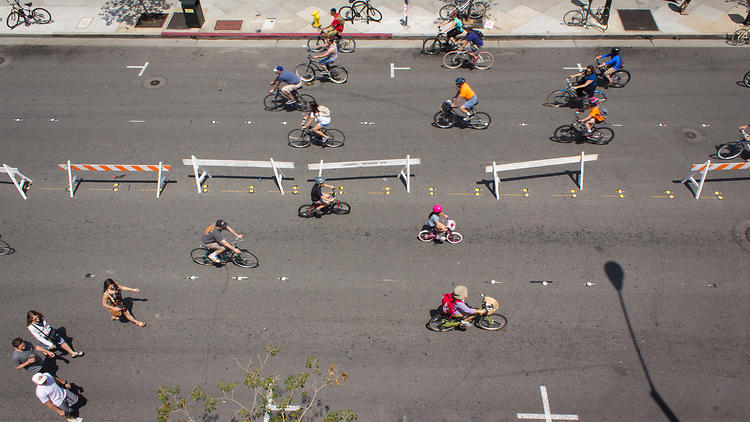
(128, 303)
(617, 277)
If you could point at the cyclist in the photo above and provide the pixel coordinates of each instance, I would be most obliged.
(587, 82)
(434, 221)
(334, 30)
(456, 29)
(214, 240)
(461, 309)
(291, 80)
(595, 114)
(319, 198)
(322, 116)
(465, 92)
(329, 56)
(472, 43)
(613, 65)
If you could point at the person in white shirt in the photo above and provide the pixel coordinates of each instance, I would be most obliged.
(59, 400)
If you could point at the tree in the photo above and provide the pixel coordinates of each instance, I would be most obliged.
(266, 397)
(129, 11)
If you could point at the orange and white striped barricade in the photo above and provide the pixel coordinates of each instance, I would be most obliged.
(404, 174)
(496, 168)
(703, 170)
(73, 180)
(12, 173)
(201, 174)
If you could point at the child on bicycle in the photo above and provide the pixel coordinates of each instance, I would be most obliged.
(595, 114)
(437, 221)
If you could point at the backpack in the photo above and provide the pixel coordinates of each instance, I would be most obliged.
(324, 111)
(449, 304)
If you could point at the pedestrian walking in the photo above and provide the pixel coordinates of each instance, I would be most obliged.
(112, 300)
(48, 337)
(24, 356)
(59, 400)
(683, 7)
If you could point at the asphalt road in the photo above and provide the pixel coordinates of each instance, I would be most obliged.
(359, 288)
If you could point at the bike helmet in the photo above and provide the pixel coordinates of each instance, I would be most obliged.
(615, 50)
(437, 208)
(593, 101)
(221, 224)
(460, 292)
(319, 180)
(278, 69)
(460, 80)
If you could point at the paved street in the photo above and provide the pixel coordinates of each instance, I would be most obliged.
(359, 288)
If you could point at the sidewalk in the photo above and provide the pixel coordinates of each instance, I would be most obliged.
(291, 18)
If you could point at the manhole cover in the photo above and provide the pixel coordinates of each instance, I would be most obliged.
(154, 82)
(692, 136)
(637, 20)
(742, 234)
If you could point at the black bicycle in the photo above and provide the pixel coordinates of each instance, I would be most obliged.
(361, 10)
(437, 44)
(600, 134)
(303, 138)
(26, 15)
(276, 101)
(244, 259)
(620, 78)
(309, 71)
(448, 117)
(746, 80)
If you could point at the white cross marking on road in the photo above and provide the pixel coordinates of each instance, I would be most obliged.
(578, 68)
(143, 68)
(393, 74)
(273, 408)
(546, 416)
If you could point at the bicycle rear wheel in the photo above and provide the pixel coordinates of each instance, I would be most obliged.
(200, 256)
(601, 135)
(492, 322)
(443, 120)
(746, 79)
(374, 14)
(453, 60)
(338, 74)
(298, 138)
(335, 138)
(729, 150)
(346, 13)
(574, 18)
(41, 15)
(454, 237)
(425, 236)
(564, 134)
(347, 45)
(620, 78)
(437, 323)
(559, 98)
(305, 71)
(245, 259)
(445, 12)
(432, 46)
(480, 120)
(485, 61)
(341, 207)
(306, 211)
(600, 95)
(13, 20)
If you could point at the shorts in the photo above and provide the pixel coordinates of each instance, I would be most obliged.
(116, 314)
(472, 48)
(212, 246)
(323, 121)
(327, 60)
(332, 33)
(288, 88)
(610, 71)
(454, 33)
(471, 102)
(69, 401)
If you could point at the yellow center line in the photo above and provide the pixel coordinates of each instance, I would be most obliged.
(236, 191)
(99, 188)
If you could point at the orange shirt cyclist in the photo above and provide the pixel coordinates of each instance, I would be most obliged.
(465, 92)
(595, 114)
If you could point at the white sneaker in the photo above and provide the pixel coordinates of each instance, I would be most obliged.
(214, 258)
(78, 419)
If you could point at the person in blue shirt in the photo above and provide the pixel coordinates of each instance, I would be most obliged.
(587, 82)
(291, 80)
(472, 43)
(613, 65)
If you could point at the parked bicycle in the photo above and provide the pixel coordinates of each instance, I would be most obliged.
(739, 37)
(334, 207)
(620, 78)
(361, 10)
(733, 149)
(309, 71)
(448, 116)
(244, 259)
(276, 101)
(450, 235)
(26, 15)
(464, 8)
(600, 134)
(457, 58)
(568, 97)
(319, 43)
(304, 137)
(437, 44)
(491, 321)
(5, 248)
(585, 17)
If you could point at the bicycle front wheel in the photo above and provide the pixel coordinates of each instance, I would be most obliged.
(477, 10)
(5, 248)
(485, 61)
(273, 102)
(316, 44)
(480, 120)
(432, 46)
(600, 95)
(13, 20)
(200, 256)
(620, 79)
(41, 15)
(346, 13)
(601, 135)
(245, 259)
(338, 74)
(341, 207)
(492, 322)
(454, 237)
(453, 60)
(335, 138)
(559, 98)
(746, 79)
(305, 71)
(298, 138)
(374, 14)
(574, 18)
(438, 323)
(446, 11)
(564, 134)
(443, 120)
(741, 37)
(729, 151)
(347, 45)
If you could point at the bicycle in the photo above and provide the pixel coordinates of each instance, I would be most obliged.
(467, 8)
(457, 58)
(739, 37)
(746, 80)
(277, 101)
(620, 78)
(28, 15)
(244, 259)
(437, 44)
(319, 43)
(308, 71)
(448, 117)
(565, 96)
(580, 17)
(451, 236)
(333, 207)
(360, 10)
(733, 149)
(5, 248)
(304, 137)
(600, 135)
(490, 321)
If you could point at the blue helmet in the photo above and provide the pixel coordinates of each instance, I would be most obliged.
(320, 179)
(460, 80)
(278, 69)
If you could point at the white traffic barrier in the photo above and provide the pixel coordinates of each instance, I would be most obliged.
(12, 173)
(405, 172)
(496, 168)
(703, 170)
(73, 180)
(200, 164)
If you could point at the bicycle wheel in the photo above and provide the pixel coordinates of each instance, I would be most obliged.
(305, 71)
(245, 259)
(729, 150)
(445, 12)
(485, 61)
(746, 79)
(620, 78)
(480, 120)
(306, 211)
(574, 18)
(341, 207)
(41, 15)
(317, 44)
(559, 98)
(298, 138)
(493, 322)
(437, 323)
(374, 14)
(346, 13)
(303, 104)
(335, 138)
(600, 95)
(13, 20)
(432, 46)
(601, 135)
(200, 256)
(273, 102)
(443, 120)
(742, 37)
(453, 60)
(477, 10)
(564, 134)
(338, 74)
(347, 45)
(454, 237)
(5, 248)
(425, 236)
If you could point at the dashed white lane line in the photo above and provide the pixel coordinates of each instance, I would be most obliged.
(547, 416)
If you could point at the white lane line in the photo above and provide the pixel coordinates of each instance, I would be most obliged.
(393, 69)
(143, 68)
(578, 68)
(547, 416)
(136, 121)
